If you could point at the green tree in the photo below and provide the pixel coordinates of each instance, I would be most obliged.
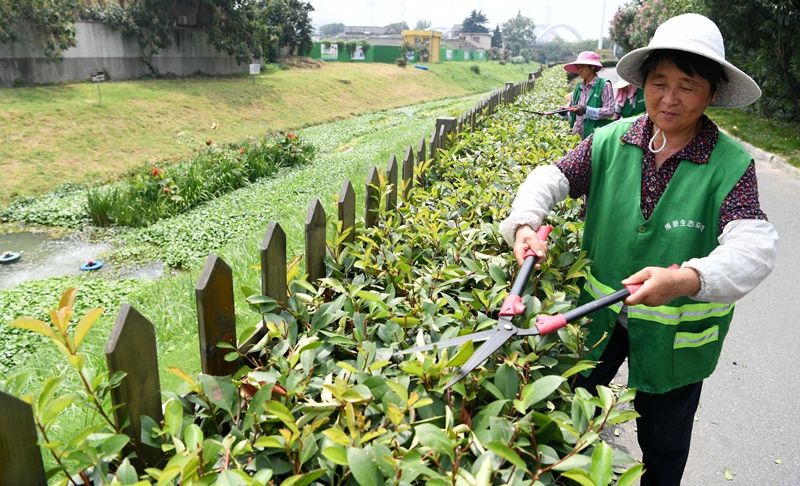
(497, 37)
(328, 30)
(422, 25)
(396, 27)
(292, 18)
(474, 23)
(762, 39)
(51, 22)
(519, 33)
(621, 26)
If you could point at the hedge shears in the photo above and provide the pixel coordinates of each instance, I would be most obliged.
(513, 307)
(560, 111)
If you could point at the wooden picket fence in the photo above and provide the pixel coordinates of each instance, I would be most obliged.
(131, 346)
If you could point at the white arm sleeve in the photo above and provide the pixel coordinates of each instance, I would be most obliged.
(542, 189)
(744, 257)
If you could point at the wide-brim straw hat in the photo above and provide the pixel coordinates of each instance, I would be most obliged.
(586, 57)
(699, 35)
(621, 84)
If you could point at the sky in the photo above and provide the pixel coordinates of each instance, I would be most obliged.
(583, 15)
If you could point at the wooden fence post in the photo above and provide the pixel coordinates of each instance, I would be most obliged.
(371, 197)
(408, 172)
(315, 241)
(273, 263)
(20, 456)
(444, 125)
(131, 348)
(347, 212)
(216, 318)
(391, 175)
(508, 93)
(432, 145)
(421, 151)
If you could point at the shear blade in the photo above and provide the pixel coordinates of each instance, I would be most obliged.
(476, 337)
(499, 336)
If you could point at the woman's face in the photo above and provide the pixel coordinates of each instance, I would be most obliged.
(675, 100)
(585, 71)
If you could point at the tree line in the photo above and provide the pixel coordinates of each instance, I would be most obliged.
(245, 29)
(761, 38)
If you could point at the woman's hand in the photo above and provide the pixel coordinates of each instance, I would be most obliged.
(661, 285)
(526, 239)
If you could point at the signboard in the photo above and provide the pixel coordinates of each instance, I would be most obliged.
(255, 69)
(358, 54)
(466, 55)
(449, 55)
(329, 53)
(98, 76)
(480, 55)
(410, 55)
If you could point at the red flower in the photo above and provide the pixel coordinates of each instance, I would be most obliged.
(156, 172)
(209, 142)
(166, 190)
(241, 150)
(291, 136)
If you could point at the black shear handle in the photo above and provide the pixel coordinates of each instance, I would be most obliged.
(528, 264)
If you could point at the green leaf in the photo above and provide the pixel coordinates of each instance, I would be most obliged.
(268, 441)
(55, 407)
(193, 437)
(506, 453)
(84, 324)
(284, 414)
(630, 476)
(126, 474)
(601, 464)
(173, 416)
(623, 417)
(581, 366)
(113, 445)
(432, 436)
(363, 467)
(463, 354)
(336, 455)
(543, 387)
(34, 325)
(507, 381)
(580, 476)
(497, 274)
(222, 393)
(399, 389)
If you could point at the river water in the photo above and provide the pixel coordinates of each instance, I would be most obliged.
(43, 257)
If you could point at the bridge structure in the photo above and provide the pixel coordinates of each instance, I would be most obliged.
(558, 27)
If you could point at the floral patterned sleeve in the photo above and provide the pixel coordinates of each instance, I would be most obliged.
(577, 168)
(742, 202)
(607, 111)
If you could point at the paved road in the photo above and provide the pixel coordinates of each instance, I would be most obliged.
(749, 415)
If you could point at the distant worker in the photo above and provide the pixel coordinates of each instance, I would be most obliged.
(629, 100)
(593, 99)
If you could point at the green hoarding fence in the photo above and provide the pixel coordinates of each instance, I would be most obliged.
(389, 54)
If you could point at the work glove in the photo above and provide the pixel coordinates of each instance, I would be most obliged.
(580, 110)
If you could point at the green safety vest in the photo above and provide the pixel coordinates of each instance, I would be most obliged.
(595, 101)
(635, 108)
(678, 343)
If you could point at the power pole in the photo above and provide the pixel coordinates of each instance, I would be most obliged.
(602, 26)
(371, 4)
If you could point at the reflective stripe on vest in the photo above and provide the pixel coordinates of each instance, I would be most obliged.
(663, 314)
(696, 339)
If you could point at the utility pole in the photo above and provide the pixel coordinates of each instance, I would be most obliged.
(371, 4)
(602, 26)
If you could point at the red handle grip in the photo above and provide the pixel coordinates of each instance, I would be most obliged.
(543, 232)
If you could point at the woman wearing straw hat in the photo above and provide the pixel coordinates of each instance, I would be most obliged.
(628, 101)
(592, 104)
(666, 188)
